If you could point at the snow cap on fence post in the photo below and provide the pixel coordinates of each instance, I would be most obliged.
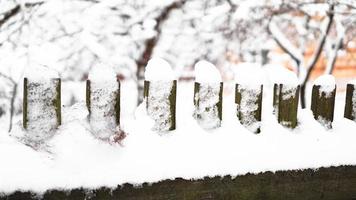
(208, 94)
(248, 95)
(160, 90)
(350, 101)
(103, 102)
(323, 100)
(286, 91)
(41, 104)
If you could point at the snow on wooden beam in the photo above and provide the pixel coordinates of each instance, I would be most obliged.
(249, 107)
(323, 100)
(350, 102)
(41, 108)
(285, 104)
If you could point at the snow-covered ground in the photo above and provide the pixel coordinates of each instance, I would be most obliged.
(74, 158)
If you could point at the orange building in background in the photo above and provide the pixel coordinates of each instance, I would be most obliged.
(344, 69)
(345, 65)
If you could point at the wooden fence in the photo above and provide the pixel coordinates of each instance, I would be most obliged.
(285, 104)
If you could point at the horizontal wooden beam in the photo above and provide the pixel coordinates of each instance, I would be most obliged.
(324, 183)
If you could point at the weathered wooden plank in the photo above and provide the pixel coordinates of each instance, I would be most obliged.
(171, 99)
(103, 104)
(288, 107)
(55, 101)
(285, 104)
(350, 111)
(203, 115)
(323, 183)
(25, 103)
(322, 106)
(251, 117)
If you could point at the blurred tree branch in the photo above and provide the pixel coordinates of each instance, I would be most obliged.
(152, 42)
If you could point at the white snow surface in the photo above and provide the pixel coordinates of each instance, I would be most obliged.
(74, 158)
(352, 82)
(249, 75)
(326, 82)
(206, 72)
(281, 75)
(158, 69)
(38, 72)
(102, 73)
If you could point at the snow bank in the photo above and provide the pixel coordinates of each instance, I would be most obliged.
(77, 159)
(249, 75)
(327, 84)
(158, 69)
(205, 72)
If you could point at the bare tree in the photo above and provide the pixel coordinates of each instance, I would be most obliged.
(297, 54)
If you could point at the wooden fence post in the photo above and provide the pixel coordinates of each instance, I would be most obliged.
(208, 99)
(103, 103)
(286, 90)
(350, 102)
(41, 108)
(249, 107)
(285, 104)
(160, 99)
(323, 100)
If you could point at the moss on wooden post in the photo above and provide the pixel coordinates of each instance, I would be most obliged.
(87, 95)
(146, 86)
(57, 102)
(219, 104)
(249, 107)
(24, 104)
(209, 116)
(117, 105)
(350, 102)
(105, 110)
(275, 98)
(285, 104)
(44, 95)
(155, 103)
(322, 105)
(172, 103)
